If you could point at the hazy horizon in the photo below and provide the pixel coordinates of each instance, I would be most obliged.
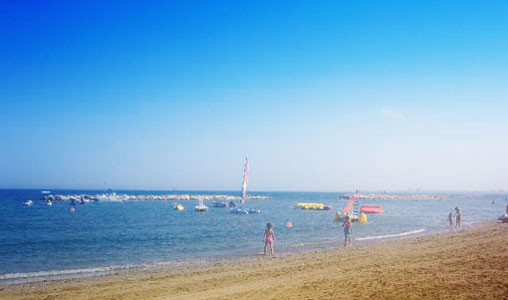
(328, 96)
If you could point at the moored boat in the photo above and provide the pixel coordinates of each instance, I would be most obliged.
(200, 207)
(220, 204)
(244, 210)
(239, 211)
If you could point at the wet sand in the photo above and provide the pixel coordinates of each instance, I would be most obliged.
(464, 264)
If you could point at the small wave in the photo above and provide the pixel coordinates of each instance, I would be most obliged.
(62, 273)
(390, 235)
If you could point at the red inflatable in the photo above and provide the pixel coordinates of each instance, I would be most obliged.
(371, 209)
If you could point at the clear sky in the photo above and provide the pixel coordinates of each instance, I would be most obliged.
(322, 95)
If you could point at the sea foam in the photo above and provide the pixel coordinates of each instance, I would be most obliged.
(390, 235)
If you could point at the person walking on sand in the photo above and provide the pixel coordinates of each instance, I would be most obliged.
(348, 229)
(269, 238)
(457, 217)
(450, 219)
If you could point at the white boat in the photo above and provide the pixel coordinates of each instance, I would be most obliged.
(46, 192)
(109, 197)
(28, 203)
(201, 207)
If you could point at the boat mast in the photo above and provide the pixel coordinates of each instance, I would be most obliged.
(245, 180)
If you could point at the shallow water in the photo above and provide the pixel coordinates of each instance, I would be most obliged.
(39, 242)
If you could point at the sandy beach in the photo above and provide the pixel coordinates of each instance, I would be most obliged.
(464, 264)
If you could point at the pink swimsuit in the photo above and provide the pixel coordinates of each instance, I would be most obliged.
(268, 237)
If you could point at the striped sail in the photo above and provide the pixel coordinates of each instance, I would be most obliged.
(245, 180)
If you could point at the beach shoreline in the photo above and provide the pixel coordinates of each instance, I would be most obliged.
(470, 262)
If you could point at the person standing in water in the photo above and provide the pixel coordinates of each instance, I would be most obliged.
(450, 219)
(348, 229)
(457, 216)
(269, 238)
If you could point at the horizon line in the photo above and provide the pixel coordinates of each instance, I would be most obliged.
(269, 191)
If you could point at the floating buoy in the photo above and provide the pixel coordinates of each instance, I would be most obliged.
(289, 224)
(72, 209)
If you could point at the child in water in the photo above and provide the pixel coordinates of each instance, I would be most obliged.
(457, 217)
(348, 229)
(269, 237)
(450, 219)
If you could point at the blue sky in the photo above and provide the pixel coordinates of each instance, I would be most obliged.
(322, 95)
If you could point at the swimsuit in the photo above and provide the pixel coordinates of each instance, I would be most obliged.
(347, 229)
(268, 237)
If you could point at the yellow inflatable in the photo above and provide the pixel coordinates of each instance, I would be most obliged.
(314, 206)
(179, 207)
(363, 218)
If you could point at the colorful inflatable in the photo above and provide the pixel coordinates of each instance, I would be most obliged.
(338, 217)
(363, 218)
(371, 209)
(313, 206)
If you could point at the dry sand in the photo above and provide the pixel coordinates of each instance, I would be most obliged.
(465, 264)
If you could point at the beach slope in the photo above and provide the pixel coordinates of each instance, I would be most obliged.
(464, 264)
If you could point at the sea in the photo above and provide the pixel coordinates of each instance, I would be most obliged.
(41, 242)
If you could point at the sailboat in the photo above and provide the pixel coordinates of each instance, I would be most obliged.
(242, 210)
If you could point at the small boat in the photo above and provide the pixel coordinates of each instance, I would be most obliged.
(244, 210)
(46, 192)
(371, 209)
(220, 204)
(239, 211)
(201, 207)
(28, 203)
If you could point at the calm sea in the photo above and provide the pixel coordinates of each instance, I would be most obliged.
(41, 242)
